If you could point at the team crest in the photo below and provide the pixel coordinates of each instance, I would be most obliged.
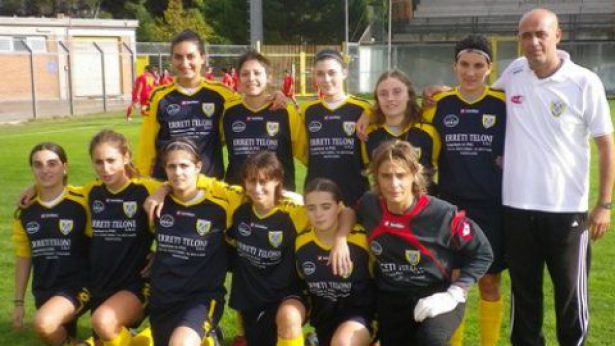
(65, 226)
(273, 127)
(275, 238)
(349, 127)
(130, 208)
(557, 108)
(203, 227)
(488, 120)
(413, 257)
(208, 108)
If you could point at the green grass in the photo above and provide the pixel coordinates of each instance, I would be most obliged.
(74, 135)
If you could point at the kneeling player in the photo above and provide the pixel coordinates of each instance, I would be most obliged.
(341, 307)
(51, 236)
(191, 261)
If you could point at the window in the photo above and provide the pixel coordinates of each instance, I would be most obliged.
(36, 43)
(6, 44)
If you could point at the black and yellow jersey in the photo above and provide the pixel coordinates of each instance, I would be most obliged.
(56, 236)
(334, 150)
(191, 258)
(121, 236)
(472, 135)
(332, 295)
(177, 113)
(264, 267)
(247, 131)
(423, 137)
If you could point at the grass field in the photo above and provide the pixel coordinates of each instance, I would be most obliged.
(74, 135)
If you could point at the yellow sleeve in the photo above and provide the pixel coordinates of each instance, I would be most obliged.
(233, 196)
(21, 241)
(435, 140)
(76, 189)
(147, 139)
(221, 127)
(150, 184)
(365, 156)
(358, 237)
(298, 136)
(298, 215)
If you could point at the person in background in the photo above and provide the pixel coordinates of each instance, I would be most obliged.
(288, 85)
(142, 90)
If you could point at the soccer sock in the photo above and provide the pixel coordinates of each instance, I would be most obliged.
(298, 341)
(123, 339)
(490, 320)
(144, 338)
(457, 338)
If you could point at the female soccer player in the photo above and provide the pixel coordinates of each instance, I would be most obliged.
(121, 239)
(334, 150)
(51, 236)
(250, 125)
(417, 240)
(266, 289)
(191, 257)
(398, 116)
(189, 108)
(471, 120)
(341, 307)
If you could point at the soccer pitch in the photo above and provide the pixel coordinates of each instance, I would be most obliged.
(74, 135)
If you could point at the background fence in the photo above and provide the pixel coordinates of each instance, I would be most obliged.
(79, 77)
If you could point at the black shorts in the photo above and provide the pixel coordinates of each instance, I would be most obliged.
(141, 290)
(260, 326)
(202, 317)
(326, 329)
(80, 298)
(397, 327)
(489, 217)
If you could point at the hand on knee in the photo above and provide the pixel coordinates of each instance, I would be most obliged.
(489, 287)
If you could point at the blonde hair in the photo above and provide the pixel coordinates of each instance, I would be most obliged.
(403, 153)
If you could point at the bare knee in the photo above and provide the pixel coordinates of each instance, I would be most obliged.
(289, 319)
(45, 324)
(105, 323)
(489, 287)
(184, 336)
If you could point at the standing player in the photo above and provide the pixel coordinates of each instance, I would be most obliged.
(470, 121)
(227, 79)
(288, 85)
(266, 289)
(250, 125)
(191, 261)
(189, 108)
(209, 74)
(142, 90)
(341, 308)
(334, 150)
(166, 78)
(398, 116)
(417, 241)
(51, 236)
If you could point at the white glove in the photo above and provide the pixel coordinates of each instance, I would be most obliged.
(439, 303)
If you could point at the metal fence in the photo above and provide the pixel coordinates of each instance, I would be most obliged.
(65, 78)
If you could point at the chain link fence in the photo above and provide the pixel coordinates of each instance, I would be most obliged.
(47, 79)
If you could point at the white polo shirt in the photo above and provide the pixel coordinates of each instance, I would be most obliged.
(549, 122)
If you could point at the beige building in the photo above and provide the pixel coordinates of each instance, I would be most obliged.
(66, 52)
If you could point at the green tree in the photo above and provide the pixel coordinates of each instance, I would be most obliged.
(176, 19)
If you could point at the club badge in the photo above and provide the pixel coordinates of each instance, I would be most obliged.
(488, 120)
(130, 208)
(203, 226)
(557, 108)
(273, 127)
(413, 257)
(65, 226)
(275, 238)
(349, 127)
(208, 108)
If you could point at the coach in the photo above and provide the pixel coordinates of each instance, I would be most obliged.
(553, 107)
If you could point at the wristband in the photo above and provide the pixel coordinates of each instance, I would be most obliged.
(18, 302)
(606, 205)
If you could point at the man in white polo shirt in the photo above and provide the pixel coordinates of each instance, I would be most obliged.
(554, 106)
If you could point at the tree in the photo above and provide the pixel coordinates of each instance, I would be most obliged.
(177, 19)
